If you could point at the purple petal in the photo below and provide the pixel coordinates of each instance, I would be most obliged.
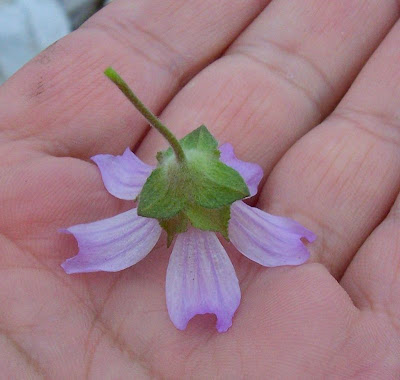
(201, 279)
(267, 239)
(123, 176)
(112, 244)
(251, 172)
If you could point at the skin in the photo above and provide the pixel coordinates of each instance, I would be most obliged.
(310, 90)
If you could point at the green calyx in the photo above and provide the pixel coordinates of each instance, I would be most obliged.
(197, 192)
(190, 185)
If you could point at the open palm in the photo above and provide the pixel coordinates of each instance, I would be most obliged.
(261, 76)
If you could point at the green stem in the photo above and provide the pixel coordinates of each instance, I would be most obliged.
(151, 118)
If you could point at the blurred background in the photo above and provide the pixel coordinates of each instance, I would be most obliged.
(29, 26)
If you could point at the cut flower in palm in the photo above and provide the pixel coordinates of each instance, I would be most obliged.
(195, 192)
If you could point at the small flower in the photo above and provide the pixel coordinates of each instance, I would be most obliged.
(195, 191)
(200, 276)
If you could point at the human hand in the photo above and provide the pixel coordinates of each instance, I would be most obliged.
(286, 71)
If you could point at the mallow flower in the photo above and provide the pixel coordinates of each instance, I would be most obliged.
(195, 192)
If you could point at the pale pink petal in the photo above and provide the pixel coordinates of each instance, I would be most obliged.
(201, 279)
(250, 172)
(267, 239)
(123, 176)
(112, 244)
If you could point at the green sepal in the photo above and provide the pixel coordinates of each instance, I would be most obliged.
(173, 226)
(216, 184)
(200, 140)
(216, 220)
(158, 198)
(210, 219)
(200, 189)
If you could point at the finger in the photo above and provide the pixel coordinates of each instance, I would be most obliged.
(372, 279)
(344, 176)
(63, 102)
(281, 77)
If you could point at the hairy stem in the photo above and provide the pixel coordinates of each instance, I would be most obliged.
(151, 118)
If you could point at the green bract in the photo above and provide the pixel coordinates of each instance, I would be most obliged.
(198, 190)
